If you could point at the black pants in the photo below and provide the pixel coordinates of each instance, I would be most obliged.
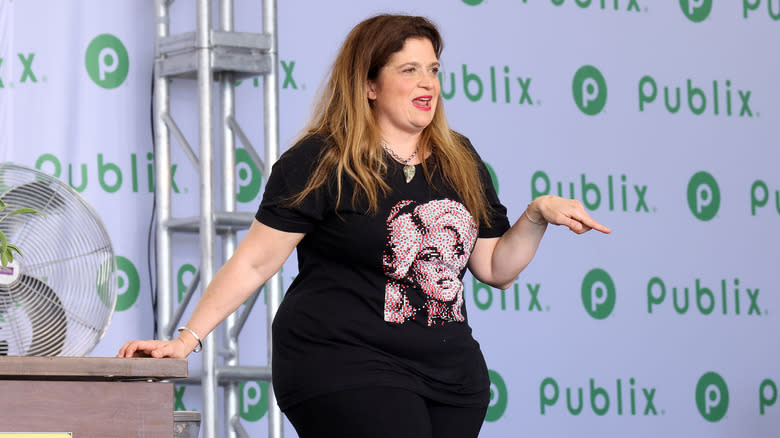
(382, 412)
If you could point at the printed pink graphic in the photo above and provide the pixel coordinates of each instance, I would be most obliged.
(428, 246)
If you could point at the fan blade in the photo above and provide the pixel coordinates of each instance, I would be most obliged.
(45, 312)
(39, 195)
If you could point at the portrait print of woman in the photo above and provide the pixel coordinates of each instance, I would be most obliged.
(427, 251)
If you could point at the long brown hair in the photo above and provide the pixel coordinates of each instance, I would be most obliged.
(344, 118)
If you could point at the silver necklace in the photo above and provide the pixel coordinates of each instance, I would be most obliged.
(408, 168)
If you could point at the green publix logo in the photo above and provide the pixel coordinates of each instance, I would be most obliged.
(696, 10)
(598, 294)
(724, 299)
(703, 196)
(253, 400)
(499, 85)
(614, 193)
(715, 97)
(707, 97)
(517, 298)
(712, 397)
(112, 176)
(620, 397)
(109, 175)
(589, 89)
(27, 76)
(129, 284)
(106, 61)
(604, 5)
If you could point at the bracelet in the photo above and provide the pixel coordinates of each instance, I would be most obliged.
(197, 338)
(544, 222)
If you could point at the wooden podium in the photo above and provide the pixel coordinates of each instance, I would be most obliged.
(96, 397)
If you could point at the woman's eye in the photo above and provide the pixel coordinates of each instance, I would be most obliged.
(428, 255)
(435, 70)
(409, 70)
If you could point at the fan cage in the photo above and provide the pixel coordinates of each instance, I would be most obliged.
(63, 298)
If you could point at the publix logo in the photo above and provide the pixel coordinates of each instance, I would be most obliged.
(107, 61)
(716, 97)
(27, 75)
(590, 90)
(499, 83)
(613, 193)
(253, 400)
(712, 397)
(114, 175)
(703, 196)
(248, 177)
(512, 299)
(129, 284)
(696, 10)
(499, 397)
(727, 299)
(110, 175)
(752, 5)
(624, 398)
(598, 294)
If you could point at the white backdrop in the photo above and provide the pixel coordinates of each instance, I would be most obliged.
(660, 116)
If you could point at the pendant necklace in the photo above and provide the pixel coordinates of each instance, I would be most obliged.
(408, 168)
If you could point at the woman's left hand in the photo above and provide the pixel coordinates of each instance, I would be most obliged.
(563, 211)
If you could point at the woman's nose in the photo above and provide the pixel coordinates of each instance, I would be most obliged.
(426, 81)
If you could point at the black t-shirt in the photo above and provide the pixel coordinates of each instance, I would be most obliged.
(378, 300)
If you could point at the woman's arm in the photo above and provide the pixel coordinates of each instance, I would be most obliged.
(498, 261)
(259, 255)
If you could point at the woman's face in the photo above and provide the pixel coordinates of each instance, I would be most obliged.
(436, 266)
(406, 91)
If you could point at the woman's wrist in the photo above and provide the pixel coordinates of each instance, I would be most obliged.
(534, 215)
(198, 346)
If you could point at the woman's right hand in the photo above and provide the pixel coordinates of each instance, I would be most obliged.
(175, 348)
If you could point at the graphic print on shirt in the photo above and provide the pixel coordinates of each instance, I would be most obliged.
(428, 245)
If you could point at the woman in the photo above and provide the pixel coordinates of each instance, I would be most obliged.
(386, 206)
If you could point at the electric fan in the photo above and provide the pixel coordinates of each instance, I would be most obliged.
(58, 297)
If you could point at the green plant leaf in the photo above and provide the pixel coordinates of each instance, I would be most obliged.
(25, 210)
(7, 249)
(3, 242)
(12, 247)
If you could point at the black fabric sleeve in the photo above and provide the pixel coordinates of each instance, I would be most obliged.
(499, 222)
(288, 178)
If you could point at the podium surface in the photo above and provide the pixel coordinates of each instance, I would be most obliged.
(89, 396)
